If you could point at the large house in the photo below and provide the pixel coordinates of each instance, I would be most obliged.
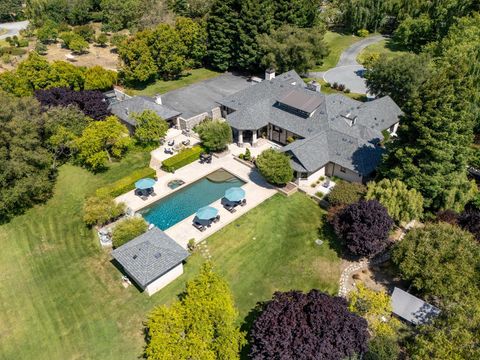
(331, 135)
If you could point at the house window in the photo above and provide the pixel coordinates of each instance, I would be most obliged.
(343, 170)
(277, 129)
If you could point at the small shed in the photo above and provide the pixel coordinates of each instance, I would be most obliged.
(411, 308)
(152, 260)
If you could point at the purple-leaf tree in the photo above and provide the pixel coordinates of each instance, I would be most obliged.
(294, 325)
(364, 227)
(470, 220)
(91, 102)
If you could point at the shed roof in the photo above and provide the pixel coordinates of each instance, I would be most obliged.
(149, 256)
(411, 308)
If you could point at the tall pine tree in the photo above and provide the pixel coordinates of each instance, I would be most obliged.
(432, 151)
(256, 17)
(222, 33)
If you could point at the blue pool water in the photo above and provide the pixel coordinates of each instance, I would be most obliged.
(185, 202)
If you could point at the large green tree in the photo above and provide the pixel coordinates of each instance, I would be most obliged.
(121, 14)
(101, 142)
(432, 152)
(441, 260)
(10, 9)
(201, 325)
(290, 47)
(138, 64)
(26, 173)
(150, 128)
(222, 33)
(402, 204)
(275, 167)
(168, 50)
(215, 134)
(398, 77)
(256, 18)
(193, 35)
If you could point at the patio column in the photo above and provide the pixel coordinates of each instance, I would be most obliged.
(240, 137)
(254, 137)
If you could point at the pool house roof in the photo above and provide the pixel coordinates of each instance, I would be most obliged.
(149, 256)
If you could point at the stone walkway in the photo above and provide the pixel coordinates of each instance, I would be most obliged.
(365, 263)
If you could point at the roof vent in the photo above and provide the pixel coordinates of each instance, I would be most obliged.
(127, 111)
(157, 255)
(134, 257)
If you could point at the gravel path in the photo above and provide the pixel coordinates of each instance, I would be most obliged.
(13, 28)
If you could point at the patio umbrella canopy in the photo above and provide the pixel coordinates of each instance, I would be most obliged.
(235, 194)
(144, 184)
(207, 213)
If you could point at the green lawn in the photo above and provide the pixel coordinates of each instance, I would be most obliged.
(61, 298)
(337, 43)
(384, 47)
(162, 86)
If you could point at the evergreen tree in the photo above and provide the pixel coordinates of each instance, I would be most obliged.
(256, 17)
(222, 33)
(432, 151)
(301, 13)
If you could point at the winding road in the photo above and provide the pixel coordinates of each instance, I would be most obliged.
(13, 28)
(348, 71)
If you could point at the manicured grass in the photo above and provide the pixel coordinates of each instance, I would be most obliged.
(272, 248)
(61, 297)
(384, 47)
(162, 86)
(337, 43)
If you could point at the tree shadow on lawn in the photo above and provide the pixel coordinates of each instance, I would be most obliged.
(247, 326)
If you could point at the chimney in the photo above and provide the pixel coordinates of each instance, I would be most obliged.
(269, 74)
(158, 99)
(313, 86)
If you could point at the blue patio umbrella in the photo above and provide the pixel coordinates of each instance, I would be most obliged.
(235, 194)
(144, 184)
(207, 213)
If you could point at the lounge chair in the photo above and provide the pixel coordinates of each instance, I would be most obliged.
(198, 226)
(243, 202)
(216, 219)
(230, 207)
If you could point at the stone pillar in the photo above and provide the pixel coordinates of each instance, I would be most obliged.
(254, 137)
(240, 137)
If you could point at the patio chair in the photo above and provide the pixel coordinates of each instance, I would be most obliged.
(243, 202)
(230, 207)
(198, 226)
(171, 143)
(168, 151)
(144, 197)
(186, 142)
(216, 219)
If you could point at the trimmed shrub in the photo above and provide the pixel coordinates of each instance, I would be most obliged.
(183, 158)
(363, 33)
(127, 230)
(100, 210)
(127, 183)
(346, 193)
(275, 167)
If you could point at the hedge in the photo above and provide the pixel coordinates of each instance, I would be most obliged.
(183, 158)
(127, 183)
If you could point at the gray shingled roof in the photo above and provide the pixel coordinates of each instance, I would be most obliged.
(137, 104)
(149, 256)
(411, 308)
(327, 134)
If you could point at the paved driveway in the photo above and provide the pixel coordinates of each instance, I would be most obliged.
(13, 28)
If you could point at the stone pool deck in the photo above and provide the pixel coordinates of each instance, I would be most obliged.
(256, 188)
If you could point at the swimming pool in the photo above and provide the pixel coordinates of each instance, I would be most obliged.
(185, 202)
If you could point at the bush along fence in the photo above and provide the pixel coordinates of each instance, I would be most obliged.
(183, 158)
(127, 183)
